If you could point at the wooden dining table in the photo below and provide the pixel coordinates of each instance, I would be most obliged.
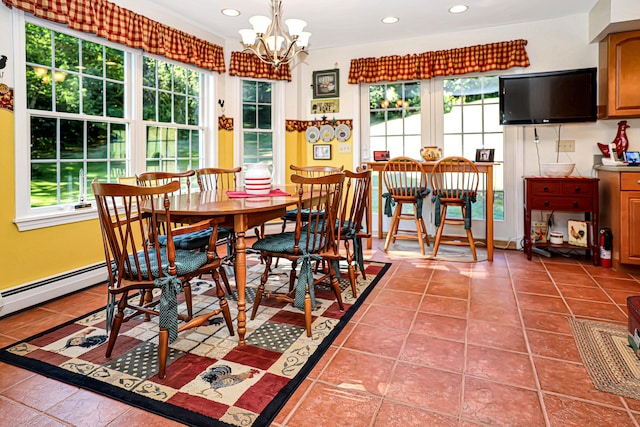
(484, 168)
(241, 214)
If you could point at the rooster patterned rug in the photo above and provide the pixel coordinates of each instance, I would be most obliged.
(210, 381)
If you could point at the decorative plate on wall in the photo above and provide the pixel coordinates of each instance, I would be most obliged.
(312, 134)
(343, 132)
(327, 133)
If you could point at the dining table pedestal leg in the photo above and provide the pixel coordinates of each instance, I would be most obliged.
(240, 226)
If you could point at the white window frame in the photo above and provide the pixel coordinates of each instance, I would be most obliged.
(28, 218)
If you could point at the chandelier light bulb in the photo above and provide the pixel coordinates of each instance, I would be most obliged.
(248, 36)
(303, 39)
(295, 26)
(260, 23)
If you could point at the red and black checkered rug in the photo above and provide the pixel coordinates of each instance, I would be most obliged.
(210, 379)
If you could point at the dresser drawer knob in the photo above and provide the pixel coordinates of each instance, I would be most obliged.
(546, 203)
(546, 189)
(577, 189)
(575, 204)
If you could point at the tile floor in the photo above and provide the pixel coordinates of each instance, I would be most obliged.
(436, 344)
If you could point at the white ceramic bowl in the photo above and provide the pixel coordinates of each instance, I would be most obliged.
(557, 170)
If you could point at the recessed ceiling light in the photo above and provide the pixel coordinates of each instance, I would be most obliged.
(230, 12)
(390, 20)
(458, 8)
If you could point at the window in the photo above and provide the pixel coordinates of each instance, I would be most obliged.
(257, 119)
(75, 93)
(471, 122)
(394, 119)
(171, 98)
(97, 109)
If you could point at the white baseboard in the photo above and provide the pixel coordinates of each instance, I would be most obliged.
(34, 293)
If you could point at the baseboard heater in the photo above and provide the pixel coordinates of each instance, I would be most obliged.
(30, 294)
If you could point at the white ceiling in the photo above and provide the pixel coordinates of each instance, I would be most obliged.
(335, 23)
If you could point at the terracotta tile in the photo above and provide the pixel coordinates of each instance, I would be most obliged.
(565, 268)
(535, 287)
(493, 297)
(573, 279)
(77, 304)
(591, 293)
(40, 392)
(388, 317)
(327, 405)
(556, 346)
(442, 305)
(620, 297)
(565, 412)
(344, 333)
(497, 404)
(407, 284)
(500, 366)
(619, 284)
(322, 363)
(6, 341)
(426, 387)
(434, 352)
(397, 414)
(357, 371)
(375, 340)
(28, 323)
(542, 303)
(526, 274)
(449, 289)
(596, 310)
(398, 299)
(570, 379)
(552, 322)
(490, 334)
(489, 281)
(493, 313)
(11, 375)
(440, 326)
(88, 409)
(135, 417)
(598, 272)
(414, 271)
(21, 414)
(455, 275)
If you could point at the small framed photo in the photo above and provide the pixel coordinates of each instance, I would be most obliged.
(322, 152)
(326, 84)
(484, 155)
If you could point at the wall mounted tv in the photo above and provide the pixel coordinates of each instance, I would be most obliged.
(553, 97)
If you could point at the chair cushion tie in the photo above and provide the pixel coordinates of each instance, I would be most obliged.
(467, 197)
(305, 278)
(418, 193)
(170, 286)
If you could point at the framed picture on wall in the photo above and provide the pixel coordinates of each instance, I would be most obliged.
(322, 152)
(326, 84)
(484, 155)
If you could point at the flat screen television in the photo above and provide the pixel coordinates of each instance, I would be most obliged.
(551, 97)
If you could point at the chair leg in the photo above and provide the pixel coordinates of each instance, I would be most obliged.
(394, 225)
(436, 244)
(351, 268)
(423, 228)
(472, 244)
(186, 288)
(224, 305)
(307, 312)
(117, 322)
(163, 349)
(225, 280)
(260, 290)
(419, 231)
(292, 275)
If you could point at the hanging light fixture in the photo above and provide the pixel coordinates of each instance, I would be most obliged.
(268, 40)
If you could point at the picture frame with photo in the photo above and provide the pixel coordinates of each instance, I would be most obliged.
(485, 154)
(322, 152)
(326, 84)
(578, 233)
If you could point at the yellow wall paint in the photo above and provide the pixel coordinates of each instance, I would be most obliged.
(300, 153)
(225, 149)
(33, 255)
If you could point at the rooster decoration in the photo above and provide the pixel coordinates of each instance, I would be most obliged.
(3, 61)
(221, 376)
(578, 235)
(621, 142)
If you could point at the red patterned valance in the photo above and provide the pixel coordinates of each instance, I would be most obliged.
(302, 125)
(248, 65)
(472, 59)
(123, 26)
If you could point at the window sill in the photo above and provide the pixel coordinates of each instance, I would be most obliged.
(51, 219)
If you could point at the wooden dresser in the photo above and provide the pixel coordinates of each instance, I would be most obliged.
(570, 194)
(620, 211)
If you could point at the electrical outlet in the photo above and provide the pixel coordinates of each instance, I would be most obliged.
(344, 148)
(567, 146)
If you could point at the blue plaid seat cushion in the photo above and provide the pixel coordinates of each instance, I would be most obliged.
(195, 240)
(186, 262)
(292, 215)
(283, 243)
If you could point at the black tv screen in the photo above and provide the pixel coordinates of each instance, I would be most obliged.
(551, 97)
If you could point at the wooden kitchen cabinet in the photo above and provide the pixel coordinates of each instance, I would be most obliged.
(619, 75)
(569, 194)
(620, 211)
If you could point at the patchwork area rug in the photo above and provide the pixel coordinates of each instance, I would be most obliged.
(611, 363)
(210, 381)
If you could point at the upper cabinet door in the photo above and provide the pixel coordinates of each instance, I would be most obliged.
(619, 75)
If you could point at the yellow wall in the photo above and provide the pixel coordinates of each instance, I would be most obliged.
(33, 255)
(225, 149)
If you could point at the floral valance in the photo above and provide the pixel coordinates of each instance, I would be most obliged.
(245, 64)
(123, 26)
(472, 59)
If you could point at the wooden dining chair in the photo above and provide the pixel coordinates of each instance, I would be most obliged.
(454, 181)
(190, 241)
(406, 185)
(355, 200)
(138, 263)
(218, 178)
(315, 237)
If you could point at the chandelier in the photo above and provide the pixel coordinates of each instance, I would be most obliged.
(268, 40)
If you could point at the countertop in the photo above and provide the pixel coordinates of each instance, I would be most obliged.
(617, 168)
